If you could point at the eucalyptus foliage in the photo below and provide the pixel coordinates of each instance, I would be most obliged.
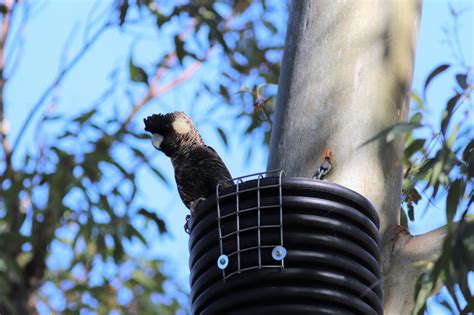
(77, 189)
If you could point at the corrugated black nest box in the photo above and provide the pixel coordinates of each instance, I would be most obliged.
(276, 245)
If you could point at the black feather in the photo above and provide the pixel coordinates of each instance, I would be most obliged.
(197, 173)
(198, 168)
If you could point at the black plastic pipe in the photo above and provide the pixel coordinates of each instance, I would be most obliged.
(330, 233)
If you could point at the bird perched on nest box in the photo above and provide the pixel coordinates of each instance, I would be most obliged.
(197, 167)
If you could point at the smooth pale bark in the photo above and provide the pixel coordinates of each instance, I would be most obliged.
(346, 76)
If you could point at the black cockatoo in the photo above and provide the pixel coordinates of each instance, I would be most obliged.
(197, 167)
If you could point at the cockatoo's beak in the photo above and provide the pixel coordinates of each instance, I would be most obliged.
(156, 140)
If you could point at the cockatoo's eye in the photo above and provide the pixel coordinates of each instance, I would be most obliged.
(156, 140)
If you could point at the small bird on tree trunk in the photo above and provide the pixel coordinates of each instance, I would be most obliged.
(325, 166)
(197, 167)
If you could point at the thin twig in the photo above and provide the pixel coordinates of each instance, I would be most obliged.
(10, 5)
(56, 81)
(155, 91)
(16, 43)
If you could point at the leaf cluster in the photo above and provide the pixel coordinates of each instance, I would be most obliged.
(439, 164)
(249, 48)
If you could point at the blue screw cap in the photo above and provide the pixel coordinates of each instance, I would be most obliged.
(279, 253)
(222, 262)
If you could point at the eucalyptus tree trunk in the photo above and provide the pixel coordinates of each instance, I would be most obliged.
(346, 76)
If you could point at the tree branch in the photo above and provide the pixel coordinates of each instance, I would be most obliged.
(155, 91)
(10, 5)
(405, 259)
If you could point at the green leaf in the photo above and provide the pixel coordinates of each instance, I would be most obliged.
(437, 168)
(452, 137)
(411, 211)
(270, 26)
(455, 194)
(144, 280)
(414, 196)
(414, 147)
(139, 154)
(53, 117)
(449, 112)
(401, 129)
(224, 92)
(403, 218)
(468, 157)
(137, 74)
(85, 117)
(161, 18)
(131, 232)
(392, 132)
(12, 240)
(180, 51)
(425, 169)
(159, 174)
(462, 80)
(423, 288)
(223, 136)
(418, 100)
(118, 249)
(3, 9)
(432, 75)
(416, 118)
(152, 216)
(141, 136)
(123, 8)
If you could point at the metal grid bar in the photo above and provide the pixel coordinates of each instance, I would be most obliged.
(278, 252)
(280, 193)
(258, 223)
(247, 249)
(221, 245)
(248, 210)
(251, 268)
(237, 205)
(248, 189)
(274, 226)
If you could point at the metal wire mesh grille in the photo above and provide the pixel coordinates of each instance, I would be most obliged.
(233, 222)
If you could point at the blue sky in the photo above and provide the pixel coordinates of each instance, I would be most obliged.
(52, 24)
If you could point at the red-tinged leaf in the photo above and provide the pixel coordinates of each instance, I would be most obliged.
(432, 75)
